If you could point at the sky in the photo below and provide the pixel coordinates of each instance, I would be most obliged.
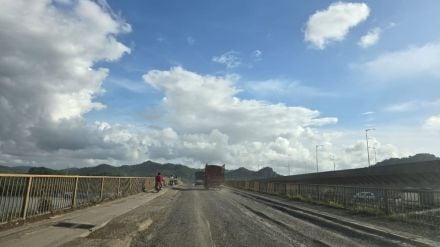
(242, 83)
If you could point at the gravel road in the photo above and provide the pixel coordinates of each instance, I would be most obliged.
(193, 216)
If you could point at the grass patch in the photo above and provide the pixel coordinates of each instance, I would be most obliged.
(301, 198)
(367, 211)
(398, 217)
(335, 205)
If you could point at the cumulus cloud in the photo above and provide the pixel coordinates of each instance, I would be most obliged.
(48, 78)
(214, 125)
(198, 103)
(370, 38)
(433, 123)
(416, 62)
(333, 23)
(357, 153)
(230, 58)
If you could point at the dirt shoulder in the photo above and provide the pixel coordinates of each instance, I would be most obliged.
(383, 221)
(121, 230)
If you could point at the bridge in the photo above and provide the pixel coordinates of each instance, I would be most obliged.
(420, 175)
(38, 210)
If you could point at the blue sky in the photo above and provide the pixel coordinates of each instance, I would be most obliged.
(238, 82)
(161, 30)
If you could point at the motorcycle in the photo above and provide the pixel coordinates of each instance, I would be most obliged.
(158, 187)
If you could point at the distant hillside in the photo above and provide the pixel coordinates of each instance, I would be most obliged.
(245, 174)
(148, 168)
(411, 159)
(43, 171)
(17, 169)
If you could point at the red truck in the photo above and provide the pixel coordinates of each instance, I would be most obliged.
(199, 178)
(214, 175)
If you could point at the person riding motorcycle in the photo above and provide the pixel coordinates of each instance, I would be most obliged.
(158, 182)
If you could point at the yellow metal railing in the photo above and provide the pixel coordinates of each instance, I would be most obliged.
(24, 196)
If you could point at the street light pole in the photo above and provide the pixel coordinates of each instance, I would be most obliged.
(334, 163)
(368, 149)
(316, 154)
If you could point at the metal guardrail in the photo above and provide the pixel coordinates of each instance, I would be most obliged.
(407, 204)
(24, 196)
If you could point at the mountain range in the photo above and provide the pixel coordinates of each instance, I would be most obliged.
(148, 168)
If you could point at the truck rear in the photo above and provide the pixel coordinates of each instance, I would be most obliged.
(214, 176)
(199, 178)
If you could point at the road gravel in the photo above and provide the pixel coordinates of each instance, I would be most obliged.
(193, 216)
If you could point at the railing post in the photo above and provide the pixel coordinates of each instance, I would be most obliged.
(102, 189)
(387, 206)
(119, 187)
(319, 192)
(26, 198)
(344, 195)
(129, 186)
(75, 191)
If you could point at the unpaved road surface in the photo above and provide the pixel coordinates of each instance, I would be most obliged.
(193, 216)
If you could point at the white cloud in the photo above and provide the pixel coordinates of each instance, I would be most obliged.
(285, 88)
(231, 59)
(433, 123)
(135, 86)
(190, 40)
(367, 113)
(48, 80)
(257, 55)
(416, 62)
(412, 105)
(333, 23)
(370, 38)
(210, 118)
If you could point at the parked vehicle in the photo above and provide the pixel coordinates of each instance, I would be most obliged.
(364, 196)
(214, 175)
(199, 178)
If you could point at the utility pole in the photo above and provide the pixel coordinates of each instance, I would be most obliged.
(334, 163)
(316, 154)
(368, 149)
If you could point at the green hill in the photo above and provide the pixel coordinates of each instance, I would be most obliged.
(148, 168)
(411, 159)
(245, 174)
(16, 169)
